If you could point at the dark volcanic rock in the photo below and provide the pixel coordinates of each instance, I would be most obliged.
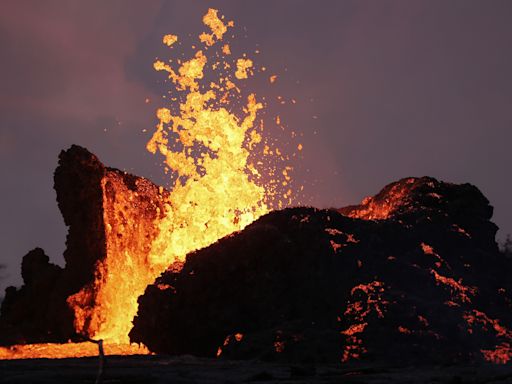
(37, 312)
(97, 203)
(78, 183)
(410, 275)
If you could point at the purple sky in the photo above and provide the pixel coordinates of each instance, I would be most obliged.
(398, 88)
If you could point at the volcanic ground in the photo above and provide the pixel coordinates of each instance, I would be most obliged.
(411, 277)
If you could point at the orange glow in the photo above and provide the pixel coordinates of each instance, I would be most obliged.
(460, 291)
(216, 190)
(125, 272)
(169, 39)
(226, 50)
(429, 250)
(353, 329)
(222, 183)
(502, 354)
(404, 330)
(237, 337)
(374, 209)
(366, 299)
(218, 28)
(279, 346)
(63, 351)
(243, 68)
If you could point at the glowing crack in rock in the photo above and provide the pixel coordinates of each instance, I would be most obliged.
(460, 292)
(500, 353)
(366, 299)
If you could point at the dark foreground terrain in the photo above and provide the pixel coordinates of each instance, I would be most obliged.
(411, 277)
(188, 369)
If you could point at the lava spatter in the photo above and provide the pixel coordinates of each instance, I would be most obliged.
(207, 137)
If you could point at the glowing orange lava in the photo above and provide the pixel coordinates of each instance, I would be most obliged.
(207, 147)
(62, 351)
(221, 184)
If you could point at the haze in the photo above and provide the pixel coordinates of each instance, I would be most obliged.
(384, 90)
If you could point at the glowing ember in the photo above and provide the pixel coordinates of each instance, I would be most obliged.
(367, 299)
(170, 39)
(502, 354)
(237, 337)
(461, 292)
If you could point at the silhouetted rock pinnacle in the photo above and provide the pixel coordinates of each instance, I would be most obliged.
(96, 203)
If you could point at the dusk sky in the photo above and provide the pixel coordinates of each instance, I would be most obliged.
(384, 90)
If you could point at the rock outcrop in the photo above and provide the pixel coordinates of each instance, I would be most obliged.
(412, 275)
(37, 312)
(108, 212)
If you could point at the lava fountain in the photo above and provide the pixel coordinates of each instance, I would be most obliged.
(225, 174)
(216, 191)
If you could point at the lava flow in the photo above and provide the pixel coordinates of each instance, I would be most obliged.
(224, 176)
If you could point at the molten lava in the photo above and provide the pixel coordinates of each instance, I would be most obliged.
(62, 351)
(220, 186)
(216, 190)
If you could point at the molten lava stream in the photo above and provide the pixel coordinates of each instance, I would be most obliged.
(63, 351)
